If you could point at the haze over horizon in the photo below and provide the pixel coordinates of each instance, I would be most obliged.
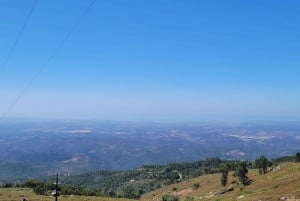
(156, 60)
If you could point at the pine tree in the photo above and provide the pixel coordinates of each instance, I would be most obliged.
(241, 172)
(262, 164)
(224, 174)
(297, 157)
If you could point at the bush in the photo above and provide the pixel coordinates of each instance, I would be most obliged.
(196, 186)
(170, 198)
(189, 199)
(8, 185)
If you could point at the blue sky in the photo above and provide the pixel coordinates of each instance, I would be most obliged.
(152, 60)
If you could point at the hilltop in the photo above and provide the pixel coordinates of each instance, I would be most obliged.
(282, 183)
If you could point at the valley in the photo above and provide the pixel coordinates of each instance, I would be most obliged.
(33, 149)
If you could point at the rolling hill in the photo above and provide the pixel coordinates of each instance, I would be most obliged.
(33, 149)
(283, 183)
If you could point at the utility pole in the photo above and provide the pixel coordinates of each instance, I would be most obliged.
(56, 188)
(55, 192)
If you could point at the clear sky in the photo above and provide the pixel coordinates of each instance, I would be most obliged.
(151, 60)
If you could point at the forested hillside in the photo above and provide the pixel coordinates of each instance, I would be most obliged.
(137, 182)
(133, 183)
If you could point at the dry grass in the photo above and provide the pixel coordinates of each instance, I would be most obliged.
(13, 194)
(281, 184)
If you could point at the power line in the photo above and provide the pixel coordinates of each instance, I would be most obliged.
(10, 53)
(50, 58)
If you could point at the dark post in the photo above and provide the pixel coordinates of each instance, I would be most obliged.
(56, 188)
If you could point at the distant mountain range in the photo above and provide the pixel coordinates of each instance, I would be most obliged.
(38, 148)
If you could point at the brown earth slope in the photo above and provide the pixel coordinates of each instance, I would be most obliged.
(283, 183)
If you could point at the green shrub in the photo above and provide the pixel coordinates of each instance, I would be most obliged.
(196, 186)
(189, 199)
(169, 198)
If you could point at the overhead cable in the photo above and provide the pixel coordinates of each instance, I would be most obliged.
(11, 51)
(50, 58)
